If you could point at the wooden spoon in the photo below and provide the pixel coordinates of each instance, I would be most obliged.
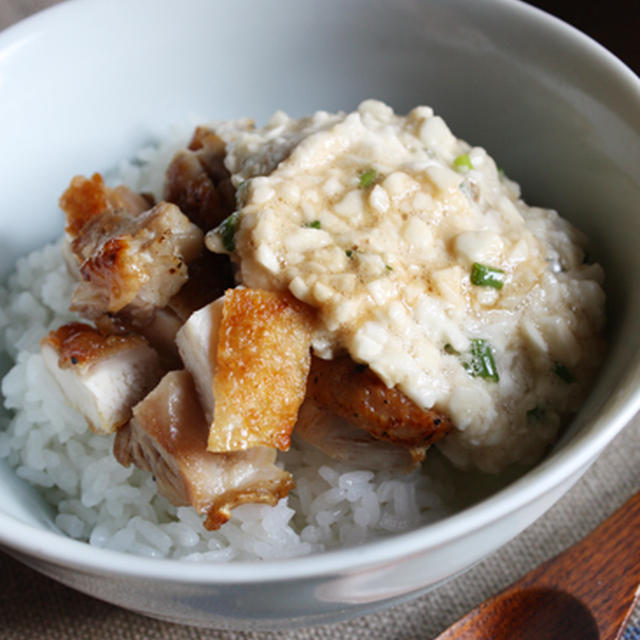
(586, 593)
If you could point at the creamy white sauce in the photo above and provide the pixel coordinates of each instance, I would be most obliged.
(388, 266)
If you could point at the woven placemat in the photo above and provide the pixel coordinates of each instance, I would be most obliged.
(33, 606)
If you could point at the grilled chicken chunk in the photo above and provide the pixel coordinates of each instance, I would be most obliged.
(199, 183)
(250, 358)
(346, 443)
(101, 376)
(168, 437)
(86, 198)
(138, 261)
(263, 360)
(353, 392)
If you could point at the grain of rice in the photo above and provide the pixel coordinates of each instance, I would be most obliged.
(71, 525)
(34, 476)
(328, 474)
(158, 538)
(87, 515)
(181, 534)
(122, 540)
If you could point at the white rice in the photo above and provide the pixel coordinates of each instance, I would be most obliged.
(99, 501)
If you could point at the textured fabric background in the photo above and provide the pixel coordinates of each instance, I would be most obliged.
(32, 606)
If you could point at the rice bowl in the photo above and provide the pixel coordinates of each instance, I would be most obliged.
(493, 521)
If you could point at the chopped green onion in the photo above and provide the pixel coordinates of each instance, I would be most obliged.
(368, 178)
(536, 414)
(462, 163)
(314, 224)
(349, 253)
(448, 348)
(563, 373)
(388, 268)
(242, 190)
(227, 232)
(482, 364)
(485, 276)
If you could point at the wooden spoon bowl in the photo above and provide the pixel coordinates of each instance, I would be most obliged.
(585, 593)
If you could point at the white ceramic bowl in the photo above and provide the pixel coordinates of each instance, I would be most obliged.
(87, 83)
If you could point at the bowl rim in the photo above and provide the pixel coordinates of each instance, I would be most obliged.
(24, 539)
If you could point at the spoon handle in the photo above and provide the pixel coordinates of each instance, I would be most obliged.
(602, 571)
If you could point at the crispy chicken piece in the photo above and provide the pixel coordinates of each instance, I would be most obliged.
(101, 376)
(353, 392)
(199, 183)
(251, 354)
(263, 360)
(133, 261)
(346, 443)
(86, 198)
(168, 437)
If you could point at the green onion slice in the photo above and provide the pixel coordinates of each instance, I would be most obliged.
(485, 276)
(227, 232)
(563, 373)
(463, 163)
(314, 224)
(482, 364)
(349, 252)
(368, 178)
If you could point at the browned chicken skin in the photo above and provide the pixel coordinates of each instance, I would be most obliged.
(353, 392)
(86, 198)
(79, 344)
(199, 183)
(263, 359)
(125, 251)
(249, 354)
(138, 261)
(103, 376)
